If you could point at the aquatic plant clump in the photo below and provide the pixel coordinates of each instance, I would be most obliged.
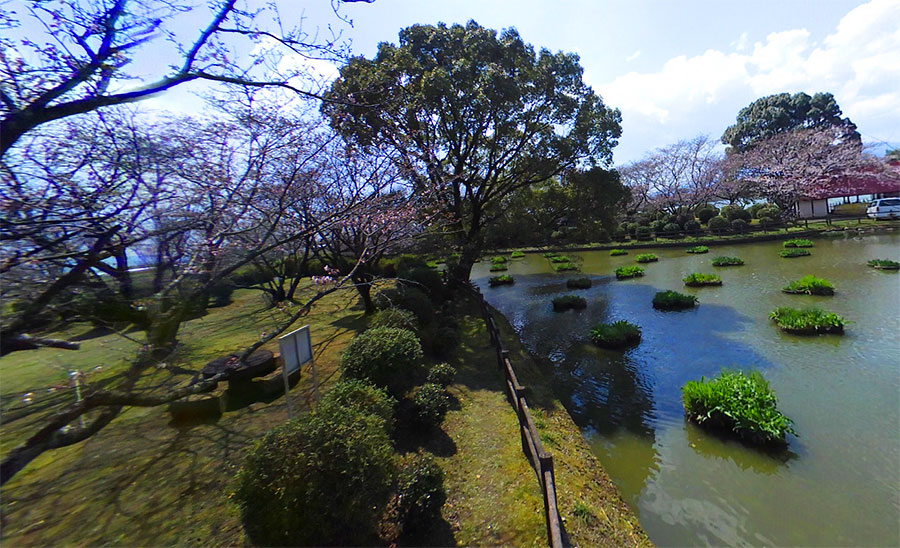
(615, 335)
(517, 254)
(884, 264)
(798, 242)
(810, 285)
(727, 261)
(672, 300)
(741, 404)
(567, 302)
(697, 279)
(807, 321)
(498, 268)
(617, 252)
(791, 253)
(625, 272)
(698, 249)
(503, 279)
(499, 259)
(646, 258)
(564, 267)
(560, 259)
(550, 254)
(578, 283)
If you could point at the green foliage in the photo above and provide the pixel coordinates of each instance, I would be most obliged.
(646, 258)
(420, 493)
(807, 321)
(564, 267)
(407, 298)
(578, 283)
(754, 209)
(740, 226)
(498, 268)
(425, 279)
(791, 253)
(718, 224)
(706, 213)
(517, 254)
(615, 335)
(550, 254)
(503, 279)
(442, 341)
(565, 302)
(442, 374)
(697, 249)
(697, 279)
(658, 226)
(395, 318)
(769, 211)
(624, 272)
(738, 403)
(885, 264)
(798, 242)
(727, 261)
(360, 396)
(734, 212)
(672, 300)
(617, 252)
(499, 259)
(431, 402)
(671, 230)
(642, 233)
(692, 227)
(810, 285)
(322, 478)
(385, 356)
(560, 259)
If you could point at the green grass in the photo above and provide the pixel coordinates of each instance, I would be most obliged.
(798, 242)
(624, 272)
(697, 279)
(564, 267)
(560, 259)
(810, 285)
(550, 254)
(503, 279)
(672, 300)
(617, 252)
(517, 254)
(497, 267)
(646, 258)
(884, 264)
(615, 335)
(791, 253)
(499, 259)
(566, 302)
(734, 402)
(727, 261)
(578, 283)
(807, 321)
(697, 249)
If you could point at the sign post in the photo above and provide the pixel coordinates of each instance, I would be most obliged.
(296, 350)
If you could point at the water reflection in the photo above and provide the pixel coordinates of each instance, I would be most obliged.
(760, 460)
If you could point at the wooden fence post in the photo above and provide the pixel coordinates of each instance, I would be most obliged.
(551, 511)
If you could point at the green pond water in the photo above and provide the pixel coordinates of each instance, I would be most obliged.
(838, 482)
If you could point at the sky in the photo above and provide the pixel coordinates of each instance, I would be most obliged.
(675, 69)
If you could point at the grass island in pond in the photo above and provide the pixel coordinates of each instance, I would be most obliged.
(646, 258)
(792, 253)
(727, 261)
(625, 272)
(697, 279)
(743, 405)
(503, 279)
(807, 321)
(672, 300)
(810, 285)
(615, 335)
(578, 283)
(798, 242)
(566, 302)
(617, 252)
(884, 264)
(697, 249)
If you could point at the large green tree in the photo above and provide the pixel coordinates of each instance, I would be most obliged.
(774, 114)
(473, 116)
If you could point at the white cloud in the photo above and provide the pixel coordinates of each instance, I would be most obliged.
(633, 56)
(859, 62)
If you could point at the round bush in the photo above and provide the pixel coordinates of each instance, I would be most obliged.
(420, 492)
(740, 225)
(407, 298)
(658, 226)
(642, 233)
(432, 403)
(671, 230)
(361, 396)
(682, 218)
(732, 212)
(442, 374)
(396, 318)
(385, 356)
(754, 209)
(770, 211)
(692, 227)
(322, 478)
(718, 224)
(443, 341)
(632, 228)
(706, 213)
(423, 278)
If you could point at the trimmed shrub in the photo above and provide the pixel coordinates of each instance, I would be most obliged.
(884, 264)
(658, 226)
(503, 279)
(646, 258)
(517, 255)
(704, 214)
(697, 249)
(642, 233)
(807, 321)
(425, 279)
(769, 211)
(692, 227)
(672, 230)
(442, 341)
(697, 280)
(718, 225)
(322, 478)
(431, 402)
(791, 253)
(682, 218)
(740, 226)
(408, 298)
(672, 300)
(798, 242)
(442, 374)
(578, 283)
(220, 293)
(810, 285)
(737, 403)
(564, 267)
(420, 493)
(615, 335)
(396, 318)
(360, 396)
(624, 272)
(617, 252)
(727, 261)
(387, 357)
(565, 302)
(734, 212)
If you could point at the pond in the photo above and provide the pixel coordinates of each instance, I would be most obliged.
(837, 484)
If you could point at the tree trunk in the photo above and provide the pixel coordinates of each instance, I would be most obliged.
(364, 288)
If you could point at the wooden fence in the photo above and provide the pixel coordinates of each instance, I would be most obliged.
(540, 459)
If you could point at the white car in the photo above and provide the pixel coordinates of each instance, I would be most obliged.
(884, 208)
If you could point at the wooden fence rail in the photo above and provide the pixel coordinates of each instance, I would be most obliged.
(538, 457)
